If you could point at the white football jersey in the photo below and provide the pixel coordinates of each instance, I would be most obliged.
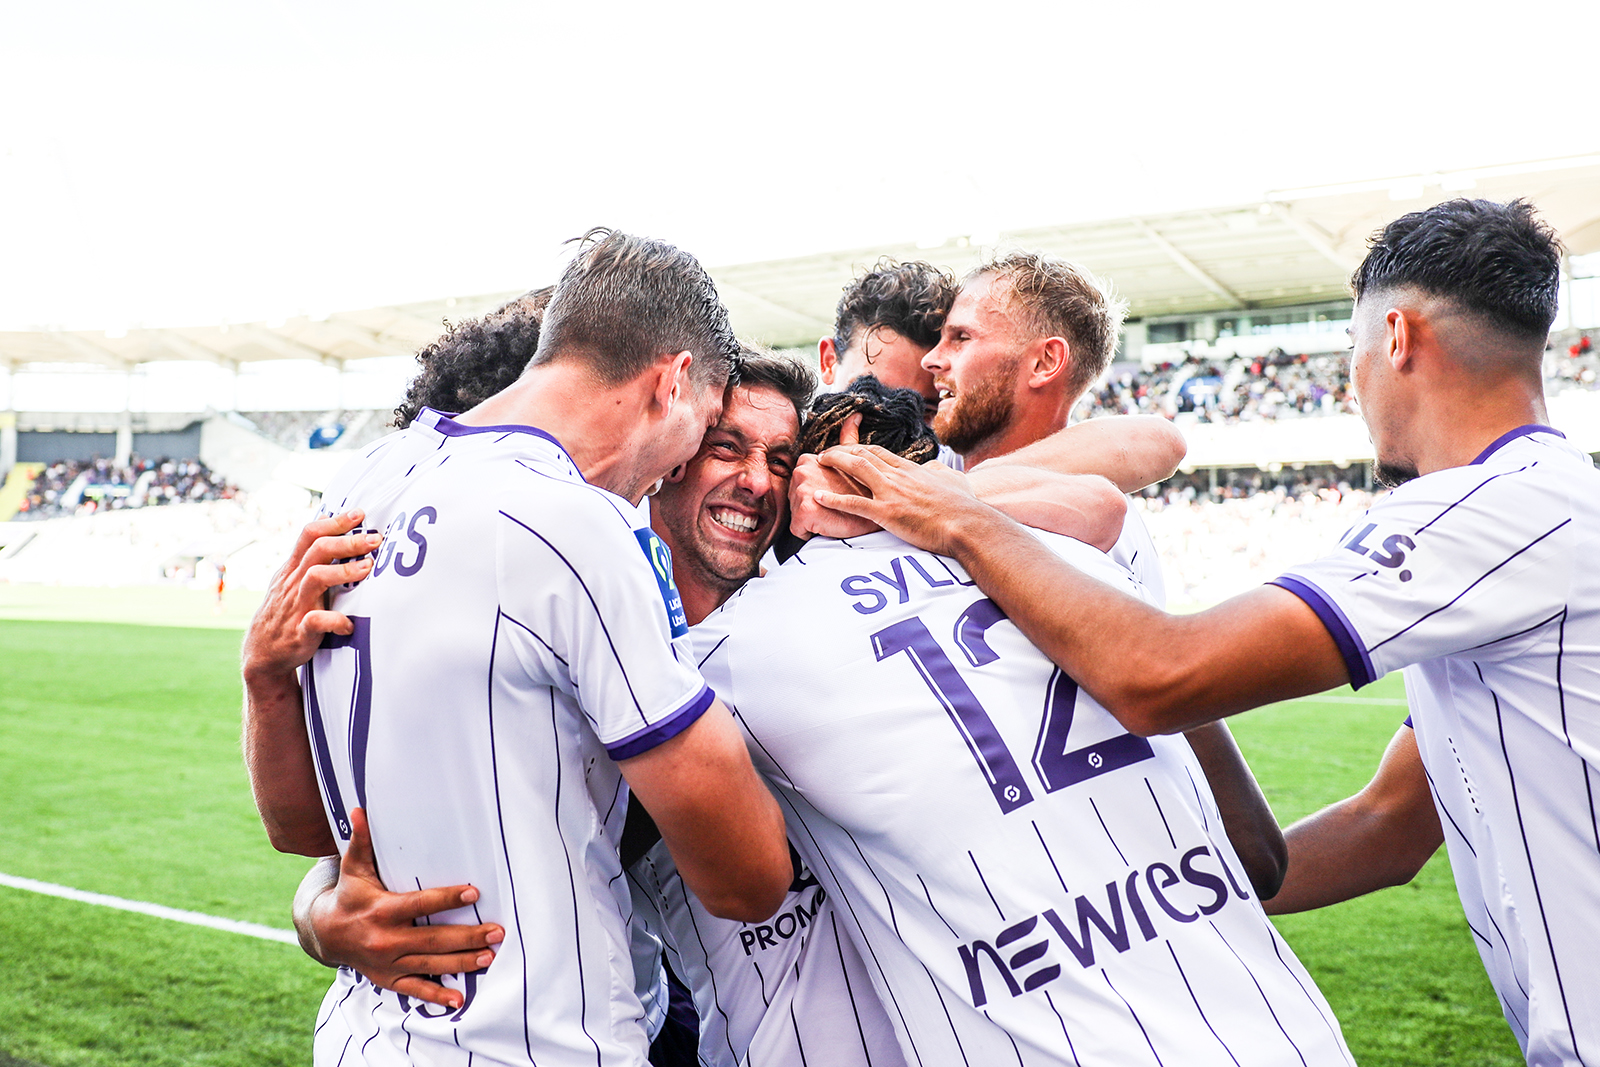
(512, 641)
(1135, 548)
(1482, 582)
(786, 992)
(1024, 879)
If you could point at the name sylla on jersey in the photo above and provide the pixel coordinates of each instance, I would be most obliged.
(1089, 923)
(905, 574)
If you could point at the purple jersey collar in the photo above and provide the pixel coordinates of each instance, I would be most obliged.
(1520, 431)
(451, 428)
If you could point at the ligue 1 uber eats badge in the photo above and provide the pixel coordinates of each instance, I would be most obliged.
(660, 558)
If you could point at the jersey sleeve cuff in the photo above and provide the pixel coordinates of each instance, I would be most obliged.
(664, 730)
(1344, 635)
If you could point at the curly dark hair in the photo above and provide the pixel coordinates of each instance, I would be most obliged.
(1500, 261)
(890, 418)
(475, 359)
(911, 299)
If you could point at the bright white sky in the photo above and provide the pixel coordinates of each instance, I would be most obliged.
(194, 163)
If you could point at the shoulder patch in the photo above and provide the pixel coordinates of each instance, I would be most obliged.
(660, 557)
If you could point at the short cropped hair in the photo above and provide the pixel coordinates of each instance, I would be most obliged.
(911, 299)
(1054, 298)
(792, 379)
(890, 418)
(475, 359)
(625, 301)
(1500, 261)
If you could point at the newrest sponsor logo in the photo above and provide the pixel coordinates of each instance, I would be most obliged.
(1118, 918)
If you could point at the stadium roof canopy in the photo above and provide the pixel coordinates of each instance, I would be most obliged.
(1294, 246)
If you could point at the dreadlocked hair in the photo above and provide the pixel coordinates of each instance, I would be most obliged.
(890, 418)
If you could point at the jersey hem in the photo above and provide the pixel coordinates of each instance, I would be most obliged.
(665, 730)
(1356, 660)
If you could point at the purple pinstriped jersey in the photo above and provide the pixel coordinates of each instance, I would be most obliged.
(1481, 582)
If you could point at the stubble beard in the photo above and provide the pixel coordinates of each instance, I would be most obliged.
(979, 413)
(1392, 474)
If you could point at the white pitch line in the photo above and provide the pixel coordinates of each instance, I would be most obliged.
(1393, 702)
(160, 911)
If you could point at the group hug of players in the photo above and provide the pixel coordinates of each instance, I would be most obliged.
(629, 660)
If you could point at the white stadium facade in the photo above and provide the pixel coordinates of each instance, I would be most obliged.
(1211, 292)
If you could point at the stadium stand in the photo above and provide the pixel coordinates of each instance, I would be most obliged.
(1236, 335)
(1278, 385)
(78, 486)
(320, 429)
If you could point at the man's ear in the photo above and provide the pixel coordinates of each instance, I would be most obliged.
(672, 381)
(1402, 335)
(828, 356)
(1049, 360)
(675, 475)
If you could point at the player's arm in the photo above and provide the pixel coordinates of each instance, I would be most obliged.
(284, 634)
(1157, 673)
(346, 918)
(1085, 506)
(1246, 816)
(1132, 450)
(717, 817)
(1378, 838)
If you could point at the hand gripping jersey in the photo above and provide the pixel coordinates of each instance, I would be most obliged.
(1483, 582)
(514, 634)
(1025, 881)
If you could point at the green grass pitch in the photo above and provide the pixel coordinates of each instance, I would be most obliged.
(122, 775)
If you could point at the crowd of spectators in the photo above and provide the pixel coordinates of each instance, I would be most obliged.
(1577, 366)
(1214, 546)
(78, 487)
(1276, 385)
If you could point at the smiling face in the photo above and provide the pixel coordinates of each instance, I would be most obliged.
(974, 367)
(719, 512)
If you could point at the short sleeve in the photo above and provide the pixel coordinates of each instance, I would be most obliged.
(1451, 562)
(707, 646)
(582, 583)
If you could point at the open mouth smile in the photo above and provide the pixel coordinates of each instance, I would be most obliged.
(736, 521)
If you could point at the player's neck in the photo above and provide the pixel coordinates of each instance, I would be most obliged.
(598, 425)
(700, 600)
(1455, 430)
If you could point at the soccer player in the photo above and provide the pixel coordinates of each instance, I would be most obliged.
(1474, 574)
(794, 989)
(890, 317)
(505, 663)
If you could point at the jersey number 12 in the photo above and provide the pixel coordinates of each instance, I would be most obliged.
(1056, 765)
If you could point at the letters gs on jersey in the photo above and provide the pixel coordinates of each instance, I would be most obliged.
(1390, 552)
(404, 547)
(660, 558)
